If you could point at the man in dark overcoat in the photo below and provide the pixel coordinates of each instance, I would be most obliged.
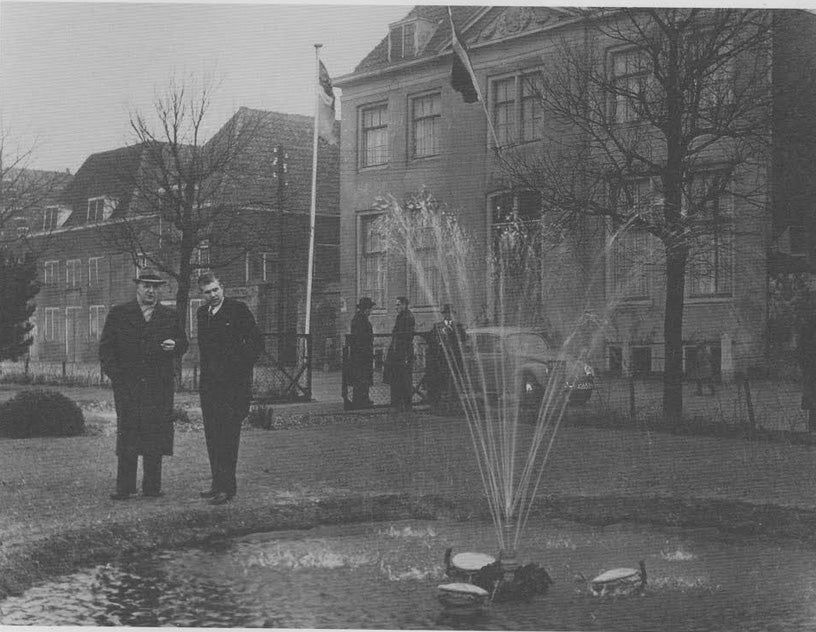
(229, 344)
(399, 361)
(140, 342)
(360, 363)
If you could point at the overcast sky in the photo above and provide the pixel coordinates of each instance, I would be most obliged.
(71, 72)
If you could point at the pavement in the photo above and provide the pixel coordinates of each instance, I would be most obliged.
(331, 466)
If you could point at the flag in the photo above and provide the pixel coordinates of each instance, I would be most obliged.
(325, 107)
(463, 79)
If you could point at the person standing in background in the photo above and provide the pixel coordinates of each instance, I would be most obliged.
(399, 361)
(360, 371)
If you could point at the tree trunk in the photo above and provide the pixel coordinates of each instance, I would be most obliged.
(673, 336)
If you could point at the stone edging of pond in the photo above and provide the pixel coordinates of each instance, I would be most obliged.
(67, 551)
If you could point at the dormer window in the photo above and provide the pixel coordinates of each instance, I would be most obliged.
(406, 39)
(100, 208)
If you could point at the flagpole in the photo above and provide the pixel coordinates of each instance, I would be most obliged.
(312, 209)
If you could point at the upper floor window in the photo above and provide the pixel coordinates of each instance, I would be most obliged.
(516, 108)
(201, 257)
(372, 253)
(426, 125)
(402, 41)
(259, 266)
(51, 217)
(630, 85)
(52, 324)
(93, 271)
(73, 272)
(374, 135)
(100, 208)
(50, 271)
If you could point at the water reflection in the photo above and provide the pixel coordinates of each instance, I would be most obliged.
(385, 575)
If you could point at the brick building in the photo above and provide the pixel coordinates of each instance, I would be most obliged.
(405, 128)
(86, 267)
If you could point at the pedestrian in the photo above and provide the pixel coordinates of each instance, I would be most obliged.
(444, 359)
(229, 344)
(399, 361)
(140, 342)
(806, 352)
(705, 369)
(360, 373)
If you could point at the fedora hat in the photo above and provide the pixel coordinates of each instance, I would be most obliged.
(365, 303)
(148, 275)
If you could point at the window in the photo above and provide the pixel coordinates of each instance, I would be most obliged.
(426, 125)
(73, 273)
(52, 327)
(372, 260)
(201, 257)
(96, 207)
(259, 266)
(517, 112)
(93, 271)
(630, 81)
(96, 320)
(424, 276)
(374, 136)
(402, 41)
(633, 252)
(192, 325)
(51, 217)
(50, 271)
(710, 263)
(516, 212)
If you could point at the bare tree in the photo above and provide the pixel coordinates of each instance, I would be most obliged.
(655, 117)
(185, 215)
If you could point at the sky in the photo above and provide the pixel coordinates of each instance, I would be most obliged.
(71, 73)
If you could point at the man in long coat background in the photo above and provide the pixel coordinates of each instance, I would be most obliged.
(140, 341)
(360, 367)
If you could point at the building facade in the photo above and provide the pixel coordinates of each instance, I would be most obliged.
(405, 129)
(259, 244)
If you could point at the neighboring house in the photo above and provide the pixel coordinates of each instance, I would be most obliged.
(405, 128)
(28, 198)
(85, 268)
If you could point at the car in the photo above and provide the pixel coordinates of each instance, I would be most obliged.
(520, 362)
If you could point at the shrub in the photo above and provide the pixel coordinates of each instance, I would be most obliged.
(40, 413)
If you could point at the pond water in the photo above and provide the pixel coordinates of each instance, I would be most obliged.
(385, 575)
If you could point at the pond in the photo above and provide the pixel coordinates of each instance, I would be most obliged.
(385, 575)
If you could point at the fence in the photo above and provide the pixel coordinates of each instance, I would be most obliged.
(283, 372)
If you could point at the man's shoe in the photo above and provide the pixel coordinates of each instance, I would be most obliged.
(122, 495)
(157, 494)
(209, 493)
(220, 499)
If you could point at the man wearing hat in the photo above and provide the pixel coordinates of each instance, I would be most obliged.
(140, 342)
(444, 359)
(360, 369)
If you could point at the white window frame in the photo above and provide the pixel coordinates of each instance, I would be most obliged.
(429, 143)
(266, 257)
(51, 216)
(96, 320)
(373, 284)
(73, 273)
(201, 257)
(525, 116)
(628, 84)
(51, 329)
(50, 272)
(398, 46)
(93, 271)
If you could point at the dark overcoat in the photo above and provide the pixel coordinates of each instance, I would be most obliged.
(229, 344)
(142, 375)
(400, 357)
(360, 368)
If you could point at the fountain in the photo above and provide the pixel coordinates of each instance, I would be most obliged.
(441, 257)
